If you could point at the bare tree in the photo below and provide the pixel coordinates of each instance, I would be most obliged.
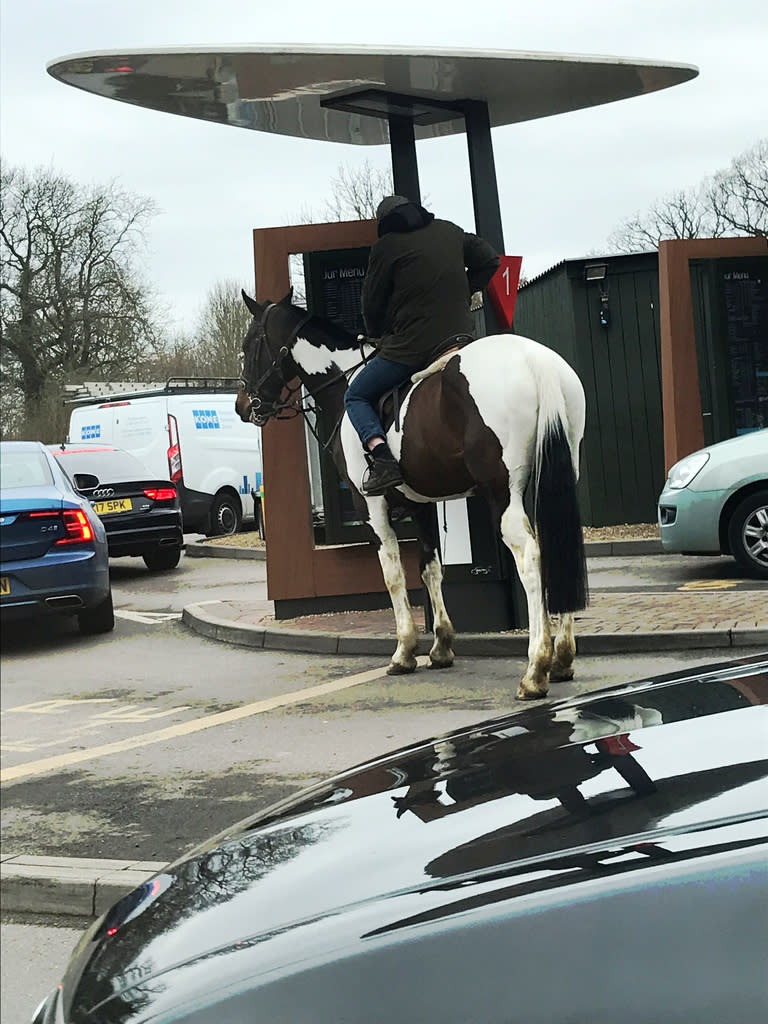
(733, 201)
(213, 347)
(356, 191)
(222, 325)
(738, 196)
(71, 298)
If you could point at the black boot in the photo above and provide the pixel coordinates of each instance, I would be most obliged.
(383, 473)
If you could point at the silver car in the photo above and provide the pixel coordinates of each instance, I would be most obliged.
(715, 501)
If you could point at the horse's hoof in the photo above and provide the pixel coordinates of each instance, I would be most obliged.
(562, 675)
(530, 694)
(395, 669)
(440, 664)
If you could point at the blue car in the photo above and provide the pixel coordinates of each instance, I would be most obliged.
(53, 546)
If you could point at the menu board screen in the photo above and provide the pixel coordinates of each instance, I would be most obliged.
(744, 291)
(334, 284)
(334, 280)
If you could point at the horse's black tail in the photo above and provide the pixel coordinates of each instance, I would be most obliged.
(558, 522)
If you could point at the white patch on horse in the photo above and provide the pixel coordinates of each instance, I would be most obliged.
(313, 358)
(489, 366)
(395, 437)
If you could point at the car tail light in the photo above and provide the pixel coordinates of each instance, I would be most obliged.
(160, 493)
(78, 529)
(175, 468)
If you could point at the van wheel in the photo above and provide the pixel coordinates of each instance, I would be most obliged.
(748, 534)
(162, 558)
(225, 516)
(100, 619)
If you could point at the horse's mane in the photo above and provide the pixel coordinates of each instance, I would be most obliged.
(336, 334)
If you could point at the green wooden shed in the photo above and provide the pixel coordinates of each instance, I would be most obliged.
(602, 315)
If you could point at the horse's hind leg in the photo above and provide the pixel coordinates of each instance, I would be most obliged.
(565, 650)
(404, 658)
(441, 655)
(518, 536)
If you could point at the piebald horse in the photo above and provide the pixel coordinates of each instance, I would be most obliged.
(502, 413)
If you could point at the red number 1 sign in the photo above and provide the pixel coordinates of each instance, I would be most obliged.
(502, 288)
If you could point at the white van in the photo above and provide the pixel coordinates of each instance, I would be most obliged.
(190, 433)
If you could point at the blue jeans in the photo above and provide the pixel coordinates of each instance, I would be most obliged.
(362, 396)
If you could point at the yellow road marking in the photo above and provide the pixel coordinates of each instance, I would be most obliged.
(709, 585)
(48, 764)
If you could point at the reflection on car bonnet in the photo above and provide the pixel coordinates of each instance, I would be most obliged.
(588, 726)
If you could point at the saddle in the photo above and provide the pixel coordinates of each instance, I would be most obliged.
(391, 401)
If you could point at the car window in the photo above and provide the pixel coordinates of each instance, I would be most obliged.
(24, 468)
(109, 465)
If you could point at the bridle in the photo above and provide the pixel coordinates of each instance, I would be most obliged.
(285, 406)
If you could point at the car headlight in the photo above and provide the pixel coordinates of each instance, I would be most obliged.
(686, 469)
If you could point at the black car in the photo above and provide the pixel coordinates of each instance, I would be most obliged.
(594, 859)
(141, 514)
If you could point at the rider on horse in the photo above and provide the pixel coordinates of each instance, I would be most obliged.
(416, 303)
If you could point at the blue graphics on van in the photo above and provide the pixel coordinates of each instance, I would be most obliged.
(90, 432)
(206, 419)
(245, 487)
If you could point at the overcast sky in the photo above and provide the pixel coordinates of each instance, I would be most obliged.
(565, 182)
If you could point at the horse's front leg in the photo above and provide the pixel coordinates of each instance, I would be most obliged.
(441, 655)
(404, 658)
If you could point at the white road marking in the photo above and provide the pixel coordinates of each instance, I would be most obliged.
(135, 713)
(147, 618)
(54, 707)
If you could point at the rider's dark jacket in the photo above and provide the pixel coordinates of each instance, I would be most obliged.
(421, 274)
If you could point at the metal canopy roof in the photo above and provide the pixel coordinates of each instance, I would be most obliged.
(284, 89)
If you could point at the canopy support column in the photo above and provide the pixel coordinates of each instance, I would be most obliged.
(482, 172)
(405, 169)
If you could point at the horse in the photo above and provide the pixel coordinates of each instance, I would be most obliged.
(500, 414)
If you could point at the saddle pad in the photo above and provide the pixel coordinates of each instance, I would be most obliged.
(436, 366)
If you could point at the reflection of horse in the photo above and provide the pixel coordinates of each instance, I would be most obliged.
(503, 412)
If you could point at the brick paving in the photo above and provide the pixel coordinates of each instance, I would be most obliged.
(608, 612)
(683, 610)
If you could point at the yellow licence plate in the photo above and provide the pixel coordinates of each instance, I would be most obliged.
(5, 585)
(105, 508)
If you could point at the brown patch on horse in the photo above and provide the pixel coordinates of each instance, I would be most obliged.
(447, 447)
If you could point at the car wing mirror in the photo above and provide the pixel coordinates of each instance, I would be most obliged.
(86, 481)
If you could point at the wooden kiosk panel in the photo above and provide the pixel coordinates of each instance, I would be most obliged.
(298, 570)
(683, 423)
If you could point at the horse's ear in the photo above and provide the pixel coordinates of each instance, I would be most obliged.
(287, 299)
(253, 306)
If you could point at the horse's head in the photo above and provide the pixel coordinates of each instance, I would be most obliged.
(267, 362)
